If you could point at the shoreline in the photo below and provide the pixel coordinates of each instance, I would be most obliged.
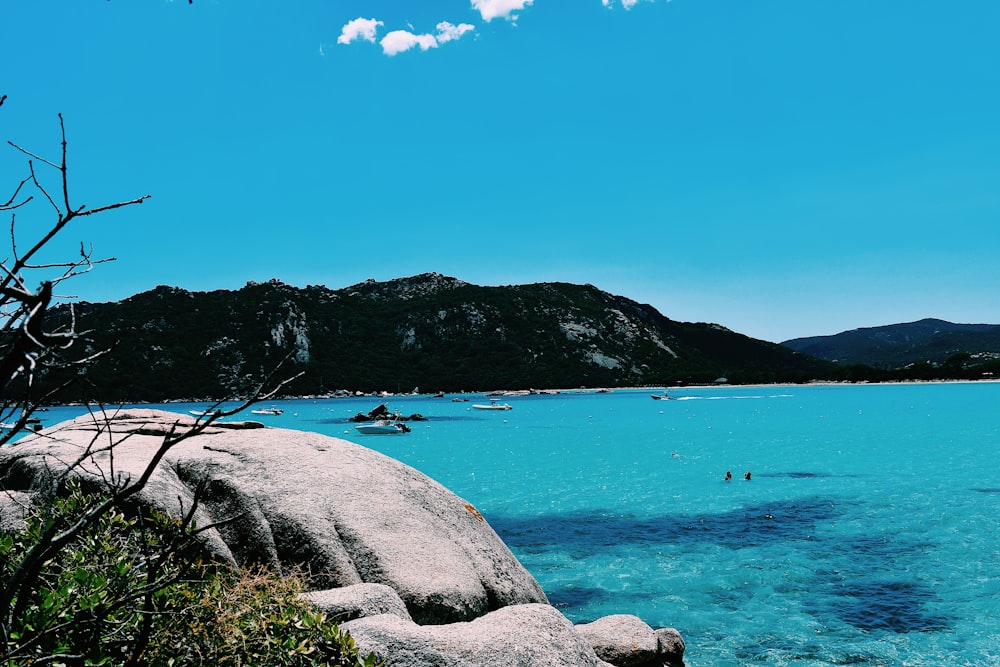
(515, 393)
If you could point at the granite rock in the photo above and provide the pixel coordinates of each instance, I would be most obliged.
(626, 641)
(350, 602)
(621, 639)
(293, 499)
(530, 635)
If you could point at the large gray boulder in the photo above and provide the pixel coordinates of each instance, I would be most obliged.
(532, 635)
(289, 499)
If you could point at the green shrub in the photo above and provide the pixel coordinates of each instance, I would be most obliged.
(133, 591)
(92, 600)
(239, 618)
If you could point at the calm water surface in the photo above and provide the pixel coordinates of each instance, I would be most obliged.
(867, 535)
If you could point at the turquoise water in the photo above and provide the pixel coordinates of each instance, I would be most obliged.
(867, 535)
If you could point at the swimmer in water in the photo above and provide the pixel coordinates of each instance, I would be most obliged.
(729, 476)
(746, 475)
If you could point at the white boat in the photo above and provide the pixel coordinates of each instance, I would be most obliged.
(383, 427)
(202, 413)
(268, 411)
(665, 396)
(494, 405)
(29, 425)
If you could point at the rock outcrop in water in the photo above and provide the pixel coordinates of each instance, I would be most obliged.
(425, 577)
(381, 411)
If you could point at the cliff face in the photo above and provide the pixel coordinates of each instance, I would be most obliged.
(427, 331)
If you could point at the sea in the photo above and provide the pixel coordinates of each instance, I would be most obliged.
(867, 533)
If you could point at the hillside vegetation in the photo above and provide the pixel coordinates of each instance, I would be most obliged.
(928, 342)
(427, 331)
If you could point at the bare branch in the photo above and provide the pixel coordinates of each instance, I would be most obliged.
(34, 156)
(109, 207)
(9, 204)
(63, 169)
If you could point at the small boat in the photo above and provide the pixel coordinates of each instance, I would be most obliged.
(31, 424)
(665, 396)
(202, 413)
(494, 405)
(383, 427)
(268, 411)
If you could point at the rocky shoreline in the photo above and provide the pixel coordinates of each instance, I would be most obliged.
(414, 572)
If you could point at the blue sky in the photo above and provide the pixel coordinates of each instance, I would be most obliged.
(782, 168)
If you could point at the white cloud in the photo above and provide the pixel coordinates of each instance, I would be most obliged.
(627, 4)
(359, 28)
(448, 32)
(491, 9)
(398, 41)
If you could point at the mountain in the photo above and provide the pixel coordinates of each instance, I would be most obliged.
(427, 331)
(898, 345)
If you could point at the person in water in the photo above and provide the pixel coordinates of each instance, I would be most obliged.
(746, 475)
(729, 476)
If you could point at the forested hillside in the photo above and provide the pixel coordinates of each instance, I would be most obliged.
(428, 331)
(929, 341)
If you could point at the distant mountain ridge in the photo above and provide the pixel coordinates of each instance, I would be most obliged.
(428, 331)
(898, 345)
